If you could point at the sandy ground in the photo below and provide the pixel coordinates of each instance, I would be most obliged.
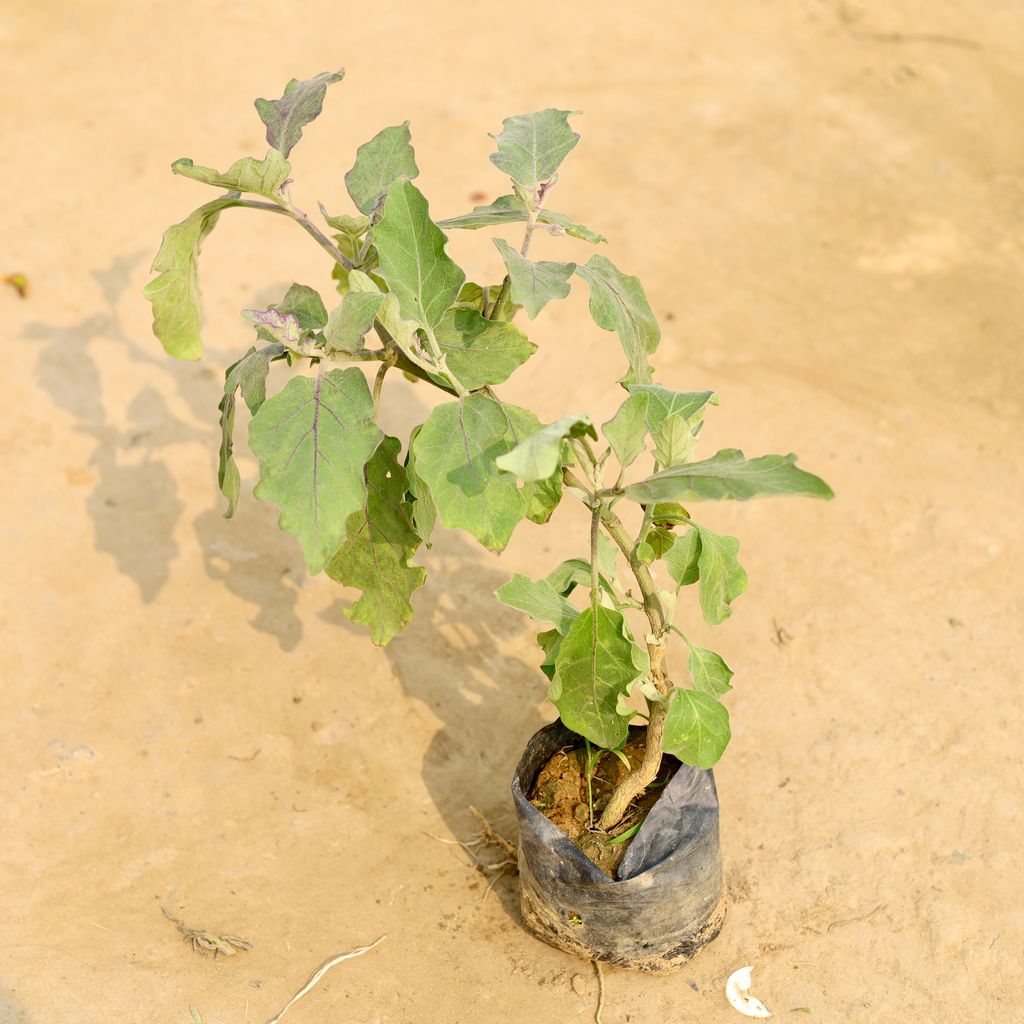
(827, 208)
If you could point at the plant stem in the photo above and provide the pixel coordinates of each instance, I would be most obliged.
(498, 309)
(378, 384)
(303, 220)
(638, 780)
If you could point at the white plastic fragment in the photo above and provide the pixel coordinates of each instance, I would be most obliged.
(737, 991)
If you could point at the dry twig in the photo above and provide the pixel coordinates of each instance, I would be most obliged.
(207, 942)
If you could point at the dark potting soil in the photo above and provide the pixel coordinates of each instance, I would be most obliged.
(560, 793)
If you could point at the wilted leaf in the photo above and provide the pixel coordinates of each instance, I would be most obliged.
(618, 303)
(263, 177)
(174, 292)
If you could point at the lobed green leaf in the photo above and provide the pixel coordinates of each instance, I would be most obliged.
(595, 663)
(696, 728)
(539, 599)
(531, 147)
(351, 320)
(312, 440)
(722, 578)
(380, 541)
(380, 162)
(682, 559)
(534, 285)
(709, 671)
(480, 351)
(301, 103)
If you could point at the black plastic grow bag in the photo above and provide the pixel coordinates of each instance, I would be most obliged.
(667, 900)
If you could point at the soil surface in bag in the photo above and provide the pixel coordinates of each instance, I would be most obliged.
(560, 793)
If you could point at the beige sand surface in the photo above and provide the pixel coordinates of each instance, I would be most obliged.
(827, 208)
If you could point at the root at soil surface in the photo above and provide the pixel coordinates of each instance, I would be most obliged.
(560, 793)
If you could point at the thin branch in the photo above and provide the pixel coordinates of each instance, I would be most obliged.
(303, 220)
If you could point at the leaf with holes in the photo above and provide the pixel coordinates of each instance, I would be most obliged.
(380, 541)
(312, 441)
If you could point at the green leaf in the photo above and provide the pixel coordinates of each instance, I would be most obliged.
(656, 543)
(709, 671)
(301, 103)
(264, 177)
(351, 227)
(174, 292)
(413, 259)
(248, 374)
(380, 162)
(312, 440)
(550, 642)
(424, 511)
(455, 452)
(674, 420)
(380, 541)
(618, 303)
(480, 351)
(729, 476)
(305, 304)
(682, 559)
(696, 728)
(511, 210)
(540, 454)
(229, 480)
(573, 573)
(541, 496)
(626, 431)
(531, 147)
(539, 599)
(349, 323)
(596, 662)
(534, 285)
(722, 578)
(402, 332)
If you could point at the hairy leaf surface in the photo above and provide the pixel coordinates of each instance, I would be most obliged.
(380, 162)
(350, 321)
(312, 440)
(618, 303)
(380, 541)
(534, 285)
(531, 147)
(301, 103)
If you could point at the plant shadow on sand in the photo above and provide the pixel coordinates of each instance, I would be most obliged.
(454, 657)
(134, 503)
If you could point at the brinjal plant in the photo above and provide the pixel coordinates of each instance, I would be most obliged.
(361, 501)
